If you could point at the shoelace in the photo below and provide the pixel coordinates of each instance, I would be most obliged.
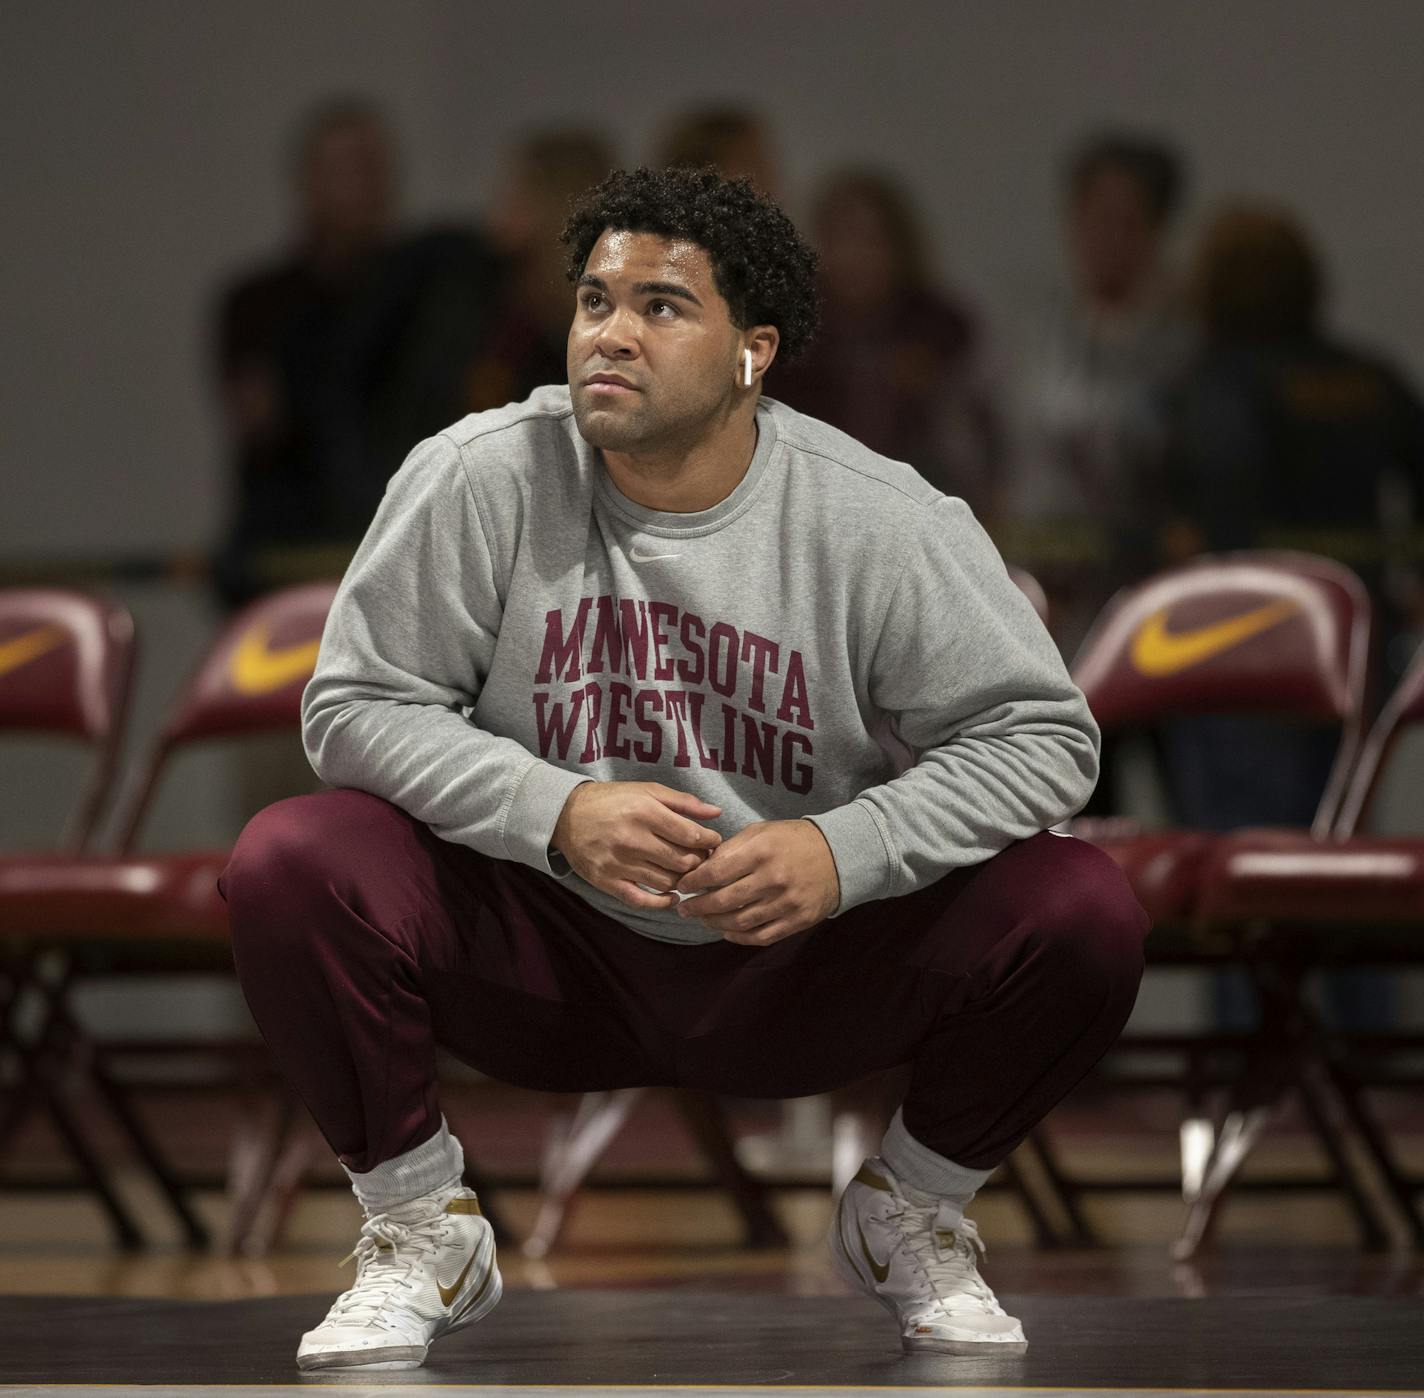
(380, 1270)
(949, 1256)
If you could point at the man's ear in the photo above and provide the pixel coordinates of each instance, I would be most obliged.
(763, 341)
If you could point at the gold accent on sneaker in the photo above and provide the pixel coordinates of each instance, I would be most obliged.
(475, 1299)
(866, 1176)
(463, 1206)
(449, 1293)
(878, 1270)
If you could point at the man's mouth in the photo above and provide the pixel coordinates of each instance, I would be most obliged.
(608, 385)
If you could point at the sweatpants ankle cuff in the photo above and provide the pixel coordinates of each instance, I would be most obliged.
(917, 1165)
(422, 1170)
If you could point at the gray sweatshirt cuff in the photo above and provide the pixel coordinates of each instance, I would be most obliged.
(863, 862)
(534, 811)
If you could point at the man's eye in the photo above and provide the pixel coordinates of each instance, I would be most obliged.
(592, 301)
(665, 309)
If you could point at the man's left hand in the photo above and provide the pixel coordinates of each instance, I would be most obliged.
(768, 881)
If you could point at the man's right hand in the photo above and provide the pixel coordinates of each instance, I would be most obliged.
(617, 835)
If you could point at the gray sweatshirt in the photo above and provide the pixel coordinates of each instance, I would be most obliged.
(835, 640)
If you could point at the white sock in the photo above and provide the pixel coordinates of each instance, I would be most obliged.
(433, 1167)
(915, 1164)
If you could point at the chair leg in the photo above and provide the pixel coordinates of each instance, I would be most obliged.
(1196, 1140)
(1234, 1142)
(1253, 1100)
(580, 1144)
(23, 1095)
(1373, 1235)
(854, 1137)
(1062, 1191)
(1330, 1111)
(1376, 1145)
(708, 1124)
(860, 1112)
(283, 1188)
(194, 1229)
(83, 1049)
(42, 1062)
(128, 1234)
(1197, 1133)
(1267, 1076)
(1045, 1235)
(256, 1148)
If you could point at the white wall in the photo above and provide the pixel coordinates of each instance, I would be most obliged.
(140, 149)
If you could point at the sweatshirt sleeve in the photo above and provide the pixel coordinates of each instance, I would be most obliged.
(1005, 745)
(408, 642)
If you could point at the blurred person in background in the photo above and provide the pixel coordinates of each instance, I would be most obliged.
(332, 356)
(1088, 401)
(1282, 436)
(733, 141)
(526, 344)
(900, 364)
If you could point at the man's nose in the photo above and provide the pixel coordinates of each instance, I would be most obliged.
(617, 336)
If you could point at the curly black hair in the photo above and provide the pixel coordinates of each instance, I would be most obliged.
(761, 266)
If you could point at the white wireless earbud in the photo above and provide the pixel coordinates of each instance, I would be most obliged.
(746, 368)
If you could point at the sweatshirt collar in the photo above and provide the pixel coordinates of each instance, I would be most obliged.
(682, 524)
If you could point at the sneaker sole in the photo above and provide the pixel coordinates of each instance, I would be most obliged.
(979, 1348)
(395, 1357)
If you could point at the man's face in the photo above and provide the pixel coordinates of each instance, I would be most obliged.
(652, 348)
(1113, 237)
(348, 182)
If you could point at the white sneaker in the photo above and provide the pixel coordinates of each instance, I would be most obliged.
(891, 1241)
(422, 1270)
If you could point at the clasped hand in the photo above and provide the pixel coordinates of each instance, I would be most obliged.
(641, 842)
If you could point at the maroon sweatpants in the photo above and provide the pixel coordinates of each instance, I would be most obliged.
(362, 941)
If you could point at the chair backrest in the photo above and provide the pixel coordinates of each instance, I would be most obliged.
(1403, 709)
(66, 668)
(1278, 633)
(249, 681)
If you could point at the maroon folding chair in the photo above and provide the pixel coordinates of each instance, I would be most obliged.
(1307, 900)
(131, 912)
(1273, 633)
(66, 667)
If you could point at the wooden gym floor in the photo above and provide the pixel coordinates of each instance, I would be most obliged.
(650, 1293)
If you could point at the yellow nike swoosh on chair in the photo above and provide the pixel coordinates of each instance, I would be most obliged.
(258, 669)
(1157, 652)
(30, 645)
